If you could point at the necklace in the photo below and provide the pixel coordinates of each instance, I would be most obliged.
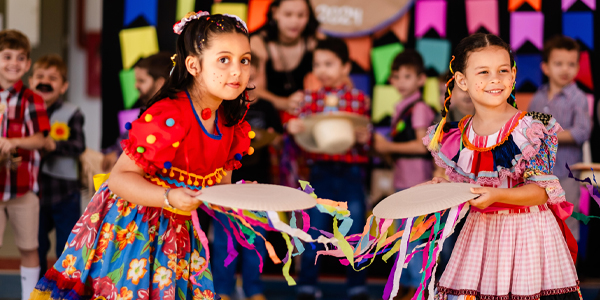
(206, 114)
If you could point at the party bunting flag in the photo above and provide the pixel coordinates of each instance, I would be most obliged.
(362, 82)
(135, 8)
(257, 13)
(400, 27)
(435, 52)
(526, 26)
(382, 58)
(183, 7)
(482, 13)
(430, 14)
(566, 4)
(385, 98)
(529, 69)
(359, 49)
(137, 43)
(431, 93)
(580, 25)
(130, 93)
(515, 4)
(238, 9)
(128, 115)
(585, 71)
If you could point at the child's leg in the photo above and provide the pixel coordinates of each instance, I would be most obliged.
(224, 277)
(252, 283)
(66, 214)
(46, 225)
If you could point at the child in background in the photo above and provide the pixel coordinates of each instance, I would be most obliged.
(561, 98)
(334, 176)
(262, 117)
(412, 117)
(60, 197)
(511, 245)
(24, 124)
(141, 243)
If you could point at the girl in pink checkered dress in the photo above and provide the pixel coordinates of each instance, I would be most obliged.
(514, 244)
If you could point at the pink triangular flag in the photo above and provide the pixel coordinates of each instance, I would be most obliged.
(566, 4)
(585, 72)
(482, 13)
(526, 26)
(430, 14)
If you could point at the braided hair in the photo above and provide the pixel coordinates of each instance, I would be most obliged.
(195, 37)
(458, 63)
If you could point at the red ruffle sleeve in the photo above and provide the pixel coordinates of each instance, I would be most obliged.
(155, 136)
(240, 145)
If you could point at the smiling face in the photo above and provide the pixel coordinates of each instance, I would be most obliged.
(13, 65)
(292, 17)
(224, 68)
(488, 77)
(48, 83)
(562, 66)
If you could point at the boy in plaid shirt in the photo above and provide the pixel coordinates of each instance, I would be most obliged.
(23, 126)
(60, 195)
(341, 176)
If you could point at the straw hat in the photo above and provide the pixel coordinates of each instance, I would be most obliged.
(586, 171)
(258, 197)
(263, 138)
(424, 199)
(330, 133)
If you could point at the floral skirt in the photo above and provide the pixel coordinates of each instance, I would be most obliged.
(119, 250)
(510, 254)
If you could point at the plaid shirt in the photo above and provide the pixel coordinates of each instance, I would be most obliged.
(350, 100)
(53, 190)
(570, 109)
(25, 115)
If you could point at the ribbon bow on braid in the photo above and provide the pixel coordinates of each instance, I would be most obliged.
(439, 132)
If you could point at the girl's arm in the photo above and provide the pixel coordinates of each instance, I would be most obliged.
(411, 147)
(527, 195)
(127, 181)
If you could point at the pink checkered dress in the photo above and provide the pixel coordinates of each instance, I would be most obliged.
(502, 252)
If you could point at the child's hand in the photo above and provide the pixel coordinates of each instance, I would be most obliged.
(49, 144)
(295, 126)
(381, 144)
(15, 162)
(295, 102)
(6, 146)
(487, 196)
(435, 180)
(184, 199)
(363, 135)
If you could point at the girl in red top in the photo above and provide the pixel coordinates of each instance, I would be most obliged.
(135, 238)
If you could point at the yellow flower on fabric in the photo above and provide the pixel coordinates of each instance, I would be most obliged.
(182, 270)
(125, 294)
(196, 262)
(162, 276)
(69, 264)
(137, 270)
(60, 131)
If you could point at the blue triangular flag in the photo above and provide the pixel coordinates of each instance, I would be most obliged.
(528, 69)
(136, 8)
(580, 26)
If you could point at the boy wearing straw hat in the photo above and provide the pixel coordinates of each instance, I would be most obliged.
(332, 129)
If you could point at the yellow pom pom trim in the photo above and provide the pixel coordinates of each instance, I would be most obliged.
(176, 144)
(250, 151)
(148, 118)
(151, 139)
(251, 134)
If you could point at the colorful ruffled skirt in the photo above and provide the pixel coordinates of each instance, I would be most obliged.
(119, 250)
(510, 254)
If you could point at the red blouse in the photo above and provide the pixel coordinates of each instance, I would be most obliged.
(172, 146)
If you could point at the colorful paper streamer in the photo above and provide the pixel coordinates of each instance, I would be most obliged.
(385, 98)
(183, 7)
(137, 43)
(528, 69)
(257, 13)
(130, 93)
(238, 9)
(435, 52)
(580, 26)
(515, 4)
(526, 26)
(482, 13)
(135, 8)
(382, 58)
(430, 14)
(585, 71)
(566, 4)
